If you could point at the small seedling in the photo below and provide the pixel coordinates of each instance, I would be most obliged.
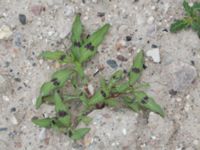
(67, 89)
(190, 20)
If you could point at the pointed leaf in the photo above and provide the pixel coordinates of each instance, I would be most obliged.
(91, 44)
(148, 103)
(85, 119)
(46, 122)
(99, 97)
(80, 133)
(137, 68)
(111, 102)
(196, 6)
(77, 29)
(117, 76)
(188, 9)
(62, 110)
(121, 88)
(132, 103)
(59, 56)
(46, 89)
(60, 77)
(97, 37)
(179, 25)
(59, 105)
(104, 86)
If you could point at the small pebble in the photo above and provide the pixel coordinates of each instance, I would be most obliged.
(150, 20)
(154, 54)
(91, 89)
(5, 32)
(128, 38)
(13, 109)
(3, 129)
(100, 14)
(124, 131)
(22, 19)
(5, 98)
(172, 92)
(42, 134)
(122, 58)
(112, 63)
(13, 119)
(154, 46)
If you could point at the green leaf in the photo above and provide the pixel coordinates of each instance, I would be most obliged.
(148, 103)
(46, 89)
(60, 77)
(80, 133)
(79, 69)
(46, 122)
(196, 6)
(85, 119)
(104, 86)
(117, 76)
(59, 105)
(132, 103)
(179, 25)
(97, 37)
(121, 88)
(77, 29)
(99, 97)
(111, 102)
(188, 9)
(137, 68)
(91, 44)
(62, 110)
(195, 26)
(59, 56)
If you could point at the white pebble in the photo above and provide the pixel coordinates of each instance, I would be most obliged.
(91, 89)
(150, 20)
(5, 32)
(154, 54)
(69, 11)
(42, 134)
(178, 99)
(5, 98)
(13, 119)
(124, 131)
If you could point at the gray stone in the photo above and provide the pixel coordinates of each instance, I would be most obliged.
(181, 75)
(112, 63)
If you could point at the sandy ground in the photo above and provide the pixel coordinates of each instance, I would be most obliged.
(174, 79)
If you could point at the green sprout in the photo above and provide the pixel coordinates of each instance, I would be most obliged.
(190, 20)
(121, 90)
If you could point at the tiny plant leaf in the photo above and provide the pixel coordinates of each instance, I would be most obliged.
(91, 44)
(178, 25)
(80, 133)
(137, 68)
(148, 103)
(188, 9)
(59, 56)
(45, 123)
(77, 29)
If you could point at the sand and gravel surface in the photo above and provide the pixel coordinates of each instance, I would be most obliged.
(28, 27)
